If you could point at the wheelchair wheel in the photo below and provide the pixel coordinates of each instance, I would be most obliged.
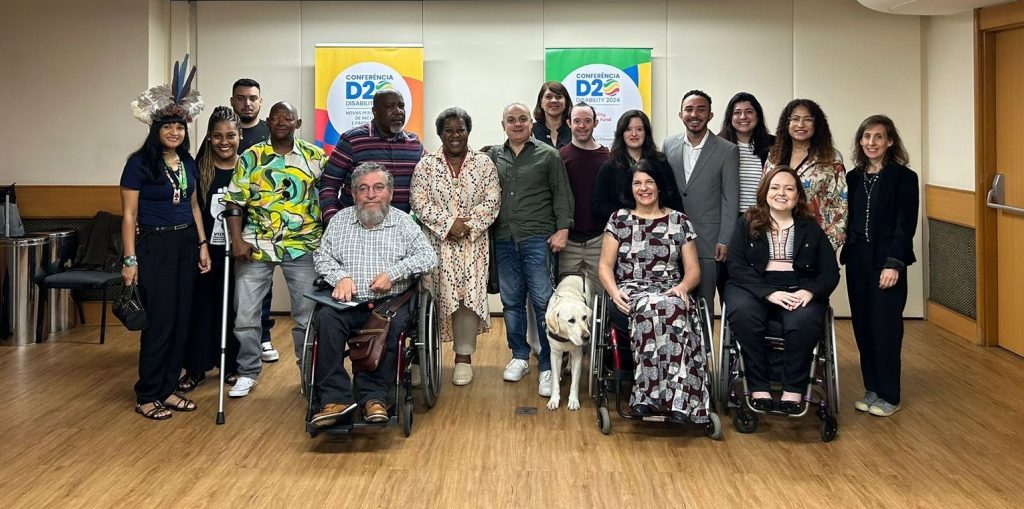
(714, 426)
(829, 428)
(407, 417)
(832, 365)
(604, 420)
(724, 367)
(596, 336)
(745, 421)
(430, 348)
(306, 365)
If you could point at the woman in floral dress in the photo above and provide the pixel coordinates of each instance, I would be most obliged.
(649, 268)
(456, 196)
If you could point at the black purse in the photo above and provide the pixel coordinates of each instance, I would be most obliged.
(128, 308)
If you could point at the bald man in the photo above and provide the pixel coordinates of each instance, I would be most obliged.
(275, 179)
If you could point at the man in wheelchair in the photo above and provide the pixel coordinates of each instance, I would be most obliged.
(368, 253)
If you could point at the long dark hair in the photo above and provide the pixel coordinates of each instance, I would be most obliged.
(558, 88)
(619, 154)
(822, 148)
(206, 168)
(760, 139)
(152, 151)
(896, 153)
(759, 219)
(648, 167)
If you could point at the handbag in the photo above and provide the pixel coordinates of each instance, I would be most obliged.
(128, 308)
(366, 348)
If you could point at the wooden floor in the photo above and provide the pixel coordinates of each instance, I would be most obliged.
(69, 438)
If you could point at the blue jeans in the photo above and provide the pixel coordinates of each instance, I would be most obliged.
(525, 267)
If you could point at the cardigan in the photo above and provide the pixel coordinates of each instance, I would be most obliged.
(814, 261)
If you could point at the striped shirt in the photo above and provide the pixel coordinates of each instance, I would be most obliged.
(397, 247)
(751, 171)
(364, 144)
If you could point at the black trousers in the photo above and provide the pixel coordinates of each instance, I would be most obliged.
(877, 317)
(802, 328)
(335, 327)
(167, 270)
(202, 348)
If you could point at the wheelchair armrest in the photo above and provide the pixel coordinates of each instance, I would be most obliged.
(321, 283)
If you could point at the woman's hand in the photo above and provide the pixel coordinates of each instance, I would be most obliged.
(619, 298)
(888, 278)
(204, 259)
(129, 275)
(790, 300)
(459, 229)
(680, 291)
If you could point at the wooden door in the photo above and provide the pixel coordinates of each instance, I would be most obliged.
(1009, 159)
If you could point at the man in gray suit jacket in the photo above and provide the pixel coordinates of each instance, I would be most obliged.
(706, 169)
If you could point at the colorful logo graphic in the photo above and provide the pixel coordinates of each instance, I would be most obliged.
(350, 98)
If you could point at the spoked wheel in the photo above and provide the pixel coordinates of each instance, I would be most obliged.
(714, 426)
(407, 417)
(604, 421)
(429, 346)
(596, 336)
(832, 367)
(724, 374)
(745, 421)
(829, 428)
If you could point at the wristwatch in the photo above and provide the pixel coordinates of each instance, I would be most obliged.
(130, 261)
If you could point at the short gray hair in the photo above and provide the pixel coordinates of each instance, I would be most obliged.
(453, 112)
(372, 167)
(505, 111)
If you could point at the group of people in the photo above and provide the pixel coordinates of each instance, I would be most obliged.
(753, 216)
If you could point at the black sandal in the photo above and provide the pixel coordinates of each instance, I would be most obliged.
(182, 405)
(158, 413)
(188, 382)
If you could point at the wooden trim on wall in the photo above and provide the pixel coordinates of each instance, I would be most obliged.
(1001, 17)
(950, 205)
(42, 202)
(91, 310)
(952, 321)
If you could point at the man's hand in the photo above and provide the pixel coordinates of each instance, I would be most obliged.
(721, 250)
(557, 241)
(242, 250)
(458, 229)
(381, 283)
(344, 290)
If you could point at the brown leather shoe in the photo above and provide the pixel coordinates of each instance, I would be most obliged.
(330, 414)
(375, 411)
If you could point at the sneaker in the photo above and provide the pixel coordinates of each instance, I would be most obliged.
(242, 387)
(883, 408)
(544, 387)
(864, 405)
(516, 370)
(414, 375)
(268, 353)
(463, 374)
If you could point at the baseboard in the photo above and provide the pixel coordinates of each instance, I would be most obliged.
(953, 322)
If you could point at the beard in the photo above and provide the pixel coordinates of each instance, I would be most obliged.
(371, 217)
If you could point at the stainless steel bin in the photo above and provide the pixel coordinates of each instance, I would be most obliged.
(22, 263)
(59, 309)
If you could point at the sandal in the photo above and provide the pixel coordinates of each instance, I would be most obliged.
(188, 382)
(182, 405)
(158, 413)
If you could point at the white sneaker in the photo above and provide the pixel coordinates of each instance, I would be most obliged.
(516, 370)
(463, 374)
(268, 353)
(544, 388)
(242, 387)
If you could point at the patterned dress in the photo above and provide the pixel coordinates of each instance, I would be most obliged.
(825, 185)
(438, 198)
(666, 333)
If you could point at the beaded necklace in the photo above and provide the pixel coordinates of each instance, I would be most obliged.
(870, 179)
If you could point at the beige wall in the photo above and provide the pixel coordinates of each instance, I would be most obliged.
(948, 89)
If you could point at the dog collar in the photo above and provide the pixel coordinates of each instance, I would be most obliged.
(556, 337)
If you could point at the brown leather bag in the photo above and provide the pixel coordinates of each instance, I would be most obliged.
(366, 348)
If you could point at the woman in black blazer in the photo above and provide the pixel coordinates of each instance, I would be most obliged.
(882, 220)
(780, 263)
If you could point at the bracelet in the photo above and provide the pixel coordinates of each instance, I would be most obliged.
(130, 261)
(204, 241)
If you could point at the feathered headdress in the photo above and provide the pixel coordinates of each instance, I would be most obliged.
(175, 100)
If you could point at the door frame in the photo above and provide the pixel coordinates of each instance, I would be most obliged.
(987, 23)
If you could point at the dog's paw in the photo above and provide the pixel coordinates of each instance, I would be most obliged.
(574, 404)
(553, 403)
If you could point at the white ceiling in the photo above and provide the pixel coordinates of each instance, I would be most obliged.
(927, 7)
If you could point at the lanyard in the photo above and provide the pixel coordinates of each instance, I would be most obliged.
(179, 181)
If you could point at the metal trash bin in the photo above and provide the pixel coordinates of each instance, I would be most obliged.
(60, 314)
(22, 263)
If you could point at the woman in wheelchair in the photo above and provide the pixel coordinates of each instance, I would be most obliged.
(780, 263)
(640, 269)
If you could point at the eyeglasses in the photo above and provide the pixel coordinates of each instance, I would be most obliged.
(801, 120)
(517, 120)
(377, 188)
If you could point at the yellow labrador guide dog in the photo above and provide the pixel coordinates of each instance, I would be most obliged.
(568, 329)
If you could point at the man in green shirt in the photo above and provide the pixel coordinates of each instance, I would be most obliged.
(532, 227)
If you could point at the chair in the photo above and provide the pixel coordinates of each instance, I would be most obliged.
(84, 280)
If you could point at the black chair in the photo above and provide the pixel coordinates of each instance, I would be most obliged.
(84, 280)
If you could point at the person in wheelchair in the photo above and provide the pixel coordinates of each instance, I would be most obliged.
(640, 269)
(368, 253)
(781, 265)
